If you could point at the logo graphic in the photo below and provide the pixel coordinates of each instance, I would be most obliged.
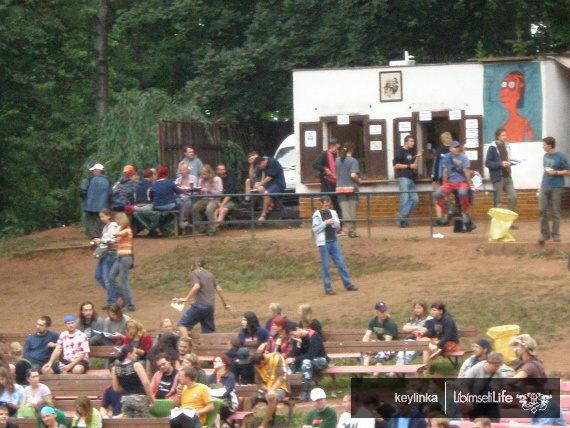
(534, 401)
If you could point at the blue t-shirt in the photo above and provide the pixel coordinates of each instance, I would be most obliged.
(274, 170)
(162, 192)
(455, 165)
(35, 347)
(558, 162)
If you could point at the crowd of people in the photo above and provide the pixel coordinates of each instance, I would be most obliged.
(165, 377)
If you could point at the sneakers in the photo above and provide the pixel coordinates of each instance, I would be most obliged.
(351, 288)
(330, 292)
(353, 235)
(440, 222)
(342, 232)
(542, 240)
(556, 238)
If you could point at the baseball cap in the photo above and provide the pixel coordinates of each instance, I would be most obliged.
(484, 343)
(454, 144)
(47, 409)
(97, 166)
(381, 306)
(68, 318)
(243, 355)
(317, 394)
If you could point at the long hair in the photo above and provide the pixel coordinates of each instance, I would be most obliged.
(211, 173)
(139, 329)
(122, 220)
(81, 316)
(423, 304)
(6, 374)
(84, 408)
(347, 148)
(306, 314)
(252, 323)
(125, 350)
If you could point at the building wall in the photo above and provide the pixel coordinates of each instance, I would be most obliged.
(556, 84)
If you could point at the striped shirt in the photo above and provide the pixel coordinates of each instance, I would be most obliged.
(125, 243)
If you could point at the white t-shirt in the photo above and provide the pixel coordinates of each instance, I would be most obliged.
(38, 394)
(347, 421)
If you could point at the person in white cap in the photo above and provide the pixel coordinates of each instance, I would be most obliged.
(321, 416)
(95, 193)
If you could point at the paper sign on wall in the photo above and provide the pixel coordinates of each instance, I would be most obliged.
(472, 155)
(375, 130)
(472, 133)
(454, 114)
(343, 119)
(425, 116)
(375, 145)
(405, 126)
(310, 138)
(471, 124)
(472, 143)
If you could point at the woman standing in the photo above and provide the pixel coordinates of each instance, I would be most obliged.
(124, 237)
(10, 393)
(129, 376)
(347, 181)
(106, 262)
(34, 393)
(222, 385)
(202, 310)
(85, 415)
(139, 338)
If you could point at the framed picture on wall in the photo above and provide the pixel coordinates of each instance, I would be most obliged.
(391, 86)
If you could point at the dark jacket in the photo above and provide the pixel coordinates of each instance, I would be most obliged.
(416, 419)
(311, 347)
(123, 193)
(444, 329)
(493, 162)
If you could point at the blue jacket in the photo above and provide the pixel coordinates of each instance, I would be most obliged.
(416, 419)
(493, 161)
(96, 192)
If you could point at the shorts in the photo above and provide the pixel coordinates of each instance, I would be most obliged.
(448, 348)
(230, 205)
(56, 367)
(280, 393)
(273, 188)
(203, 314)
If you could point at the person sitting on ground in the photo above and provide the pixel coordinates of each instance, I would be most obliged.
(307, 321)
(164, 194)
(280, 340)
(184, 347)
(413, 330)
(139, 338)
(11, 394)
(191, 360)
(163, 383)
(89, 320)
(168, 345)
(123, 192)
(34, 394)
(130, 378)
(142, 191)
(71, 353)
(114, 327)
(85, 414)
(385, 329)
(271, 380)
(111, 407)
(39, 346)
(4, 418)
(186, 181)
(273, 181)
(228, 203)
(191, 394)
(456, 176)
(322, 416)
(210, 185)
(481, 349)
(442, 333)
(49, 420)
(308, 355)
(222, 385)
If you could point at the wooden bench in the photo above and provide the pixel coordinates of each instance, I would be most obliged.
(123, 422)
(70, 386)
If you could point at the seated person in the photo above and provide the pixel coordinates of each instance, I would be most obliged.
(442, 333)
(413, 330)
(85, 414)
(274, 311)
(270, 378)
(114, 327)
(273, 181)
(139, 338)
(89, 320)
(252, 179)
(123, 192)
(307, 319)
(279, 340)
(252, 335)
(184, 347)
(71, 353)
(11, 394)
(34, 394)
(309, 354)
(111, 404)
(167, 344)
(4, 418)
(222, 385)
(142, 191)
(229, 187)
(384, 328)
(192, 395)
(164, 194)
(191, 360)
(163, 383)
(243, 369)
(39, 346)
(210, 185)
(49, 418)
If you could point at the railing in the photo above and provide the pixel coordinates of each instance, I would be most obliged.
(253, 221)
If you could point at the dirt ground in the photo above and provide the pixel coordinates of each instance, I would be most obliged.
(55, 282)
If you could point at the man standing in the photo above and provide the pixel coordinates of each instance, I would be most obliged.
(95, 193)
(38, 347)
(555, 168)
(192, 161)
(273, 181)
(325, 164)
(456, 177)
(498, 160)
(270, 378)
(481, 349)
(73, 348)
(325, 225)
(406, 165)
(228, 203)
(384, 327)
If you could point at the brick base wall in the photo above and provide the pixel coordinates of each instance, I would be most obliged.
(386, 206)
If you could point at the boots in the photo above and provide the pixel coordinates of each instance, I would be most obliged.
(469, 226)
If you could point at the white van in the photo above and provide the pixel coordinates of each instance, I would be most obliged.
(285, 154)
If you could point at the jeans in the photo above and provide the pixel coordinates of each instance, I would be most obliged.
(332, 249)
(121, 267)
(552, 195)
(207, 206)
(505, 184)
(349, 205)
(102, 271)
(173, 206)
(408, 201)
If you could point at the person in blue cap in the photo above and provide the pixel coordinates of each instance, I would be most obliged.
(71, 351)
(48, 416)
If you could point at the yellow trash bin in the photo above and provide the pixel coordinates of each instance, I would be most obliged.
(501, 336)
(501, 220)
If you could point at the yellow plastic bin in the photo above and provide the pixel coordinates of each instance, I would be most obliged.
(502, 335)
(501, 220)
